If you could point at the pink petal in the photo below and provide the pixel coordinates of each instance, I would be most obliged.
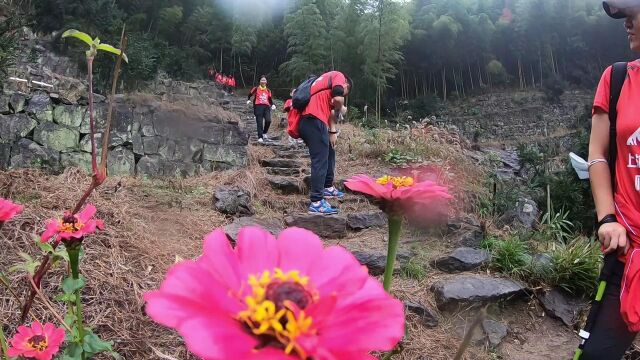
(336, 271)
(367, 185)
(217, 338)
(351, 328)
(37, 328)
(221, 261)
(13, 352)
(86, 214)
(257, 250)
(53, 227)
(187, 292)
(56, 337)
(100, 224)
(298, 249)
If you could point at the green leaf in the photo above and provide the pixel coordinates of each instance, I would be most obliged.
(70, 285)
(66, 297)
(62, 253)
(73, 351)
(93, 344)
(78, 35)
(46, 247)
(113, 50)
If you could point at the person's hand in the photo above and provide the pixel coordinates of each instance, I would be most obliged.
(273, 107)
(332, 139)
(248, 102)
(613, 236)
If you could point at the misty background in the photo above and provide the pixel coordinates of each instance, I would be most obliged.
(417, 51)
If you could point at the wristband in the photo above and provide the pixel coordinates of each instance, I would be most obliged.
(333, 132)
(610, 218)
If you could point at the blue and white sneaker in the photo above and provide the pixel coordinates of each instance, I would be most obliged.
(332, 193)
(322, 207)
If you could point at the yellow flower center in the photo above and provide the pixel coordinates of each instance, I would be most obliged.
(397, 181)
(70, 224)
(37, 342)
(275, 309)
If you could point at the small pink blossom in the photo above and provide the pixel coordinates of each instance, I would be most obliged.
(401, 194)
(72, 227)
(8, 209)
(36, 342)
(278, 299)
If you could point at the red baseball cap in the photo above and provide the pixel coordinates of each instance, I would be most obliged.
(620, 9)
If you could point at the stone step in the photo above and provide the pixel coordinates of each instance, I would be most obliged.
(292, 154)
(325, 226)
(271, 225)
(286, 185)
(366, 220)
(284, 171)
(376, 261)
(462, 259)
(467, 290)
(280, 163)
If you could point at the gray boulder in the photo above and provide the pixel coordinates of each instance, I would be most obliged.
(285, 185)
(150, 166)
(57, 137)
(361, 221)
(70, 115)
(40, 107)
(330, 227)
(121, 162)
(496, 332)
(232, 201)
(14, 127)
(151, 145)
(271, 225)
(524, 214)
(462, 259)
(376, 262)
(27, 154)
(428, 316)
(464, 290)
(17, 102)
(76, 159)
(563, 306)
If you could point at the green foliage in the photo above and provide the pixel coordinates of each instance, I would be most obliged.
(424, 106)
(553, 88)
(8, 45)
(413, 269)
(497, 73)
(398, 158)
(509, 255)
(576, 266)
(555, 226)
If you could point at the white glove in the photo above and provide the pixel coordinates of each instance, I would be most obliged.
(273, 107)
(248, 102)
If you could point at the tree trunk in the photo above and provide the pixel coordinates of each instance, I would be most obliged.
(221, 59)
(415, 83)
(533, 78)
(520, 73)
(462, 83)
(470, 76)
(480, 82)
(444, 83)
(540, 59)
(455, 81)
(240, 68)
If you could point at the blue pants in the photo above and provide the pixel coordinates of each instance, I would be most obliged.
(315, 134)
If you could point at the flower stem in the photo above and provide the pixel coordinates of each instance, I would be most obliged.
(74, 262)
(395, 225)
(3, 345)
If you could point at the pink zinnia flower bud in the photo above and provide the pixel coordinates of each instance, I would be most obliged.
(72, 227)
(36, 342)
(287, 298)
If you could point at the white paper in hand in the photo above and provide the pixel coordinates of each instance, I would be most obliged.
(580, 166)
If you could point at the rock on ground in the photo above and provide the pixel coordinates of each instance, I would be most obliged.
(563, 306)
(462, 259)
(271, 225)
(330, 227)
(232, 201)
(461, 290)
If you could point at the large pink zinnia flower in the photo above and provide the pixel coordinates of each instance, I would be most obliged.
(271, 299)
(399, 194)
(37, 342)
(8, 209)
(72, 227)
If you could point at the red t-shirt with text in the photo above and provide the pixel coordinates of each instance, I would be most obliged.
(627, 194)
(320, 104)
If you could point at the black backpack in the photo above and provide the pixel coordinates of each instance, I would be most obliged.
(618, 76)
(303, 94)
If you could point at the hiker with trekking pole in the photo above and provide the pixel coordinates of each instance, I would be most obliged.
(614, 170)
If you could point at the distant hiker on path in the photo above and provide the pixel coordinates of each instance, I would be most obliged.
(262, 106)
(318, 129)
(614, 169)
(288, 105)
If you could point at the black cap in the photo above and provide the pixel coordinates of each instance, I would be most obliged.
(620, 9)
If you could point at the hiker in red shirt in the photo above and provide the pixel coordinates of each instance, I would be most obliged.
(232, 84)
(262, 106)
(616, 318)
(318, 130)
(219, 78)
